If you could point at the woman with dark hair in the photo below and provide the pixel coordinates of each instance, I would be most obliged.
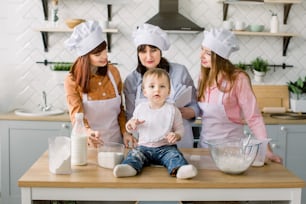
(150, 41)
(94, 87)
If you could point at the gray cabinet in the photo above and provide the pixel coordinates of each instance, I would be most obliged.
(289, 141)
(296, 151)
(278, 142)
(22, 143)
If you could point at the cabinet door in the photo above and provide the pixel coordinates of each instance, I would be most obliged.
(296, 151)
(278, 142)
(22, 142)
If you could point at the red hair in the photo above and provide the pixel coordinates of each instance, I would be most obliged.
(80, 69)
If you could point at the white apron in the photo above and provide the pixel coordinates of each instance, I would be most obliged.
(102, 115)
(215, 123)
(187, 139)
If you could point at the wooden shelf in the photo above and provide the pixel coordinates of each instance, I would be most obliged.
(46, 30)
(264, 34)
(46, 14)
(286, 37)
(287, 6)
(66, 29)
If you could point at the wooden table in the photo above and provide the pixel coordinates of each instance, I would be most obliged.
(91, 182)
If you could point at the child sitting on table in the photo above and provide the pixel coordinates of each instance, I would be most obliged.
(159, 125)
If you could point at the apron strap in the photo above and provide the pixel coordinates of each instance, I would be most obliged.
(221, 94)
(110, 75)
(113, 82)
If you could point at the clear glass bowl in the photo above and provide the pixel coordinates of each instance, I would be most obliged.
(110, 154)
(233, 156)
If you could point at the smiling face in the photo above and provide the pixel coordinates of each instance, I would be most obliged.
(206, 57)
(98, 59)
(156, 88)
(150, 56)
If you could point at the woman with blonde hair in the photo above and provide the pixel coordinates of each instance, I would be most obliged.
(225, 93)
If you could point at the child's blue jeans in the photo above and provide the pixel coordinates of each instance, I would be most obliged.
(168, 156)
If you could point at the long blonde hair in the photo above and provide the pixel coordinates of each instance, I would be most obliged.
(221, 70)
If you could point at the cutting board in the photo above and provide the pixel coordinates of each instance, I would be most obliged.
(272, 96)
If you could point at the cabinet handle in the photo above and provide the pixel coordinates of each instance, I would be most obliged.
(283, 128)
(64, 125)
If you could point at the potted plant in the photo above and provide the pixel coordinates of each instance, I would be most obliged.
(60, 71)
(259, 67)
(61, 66)
(242, 66)
(297, 91)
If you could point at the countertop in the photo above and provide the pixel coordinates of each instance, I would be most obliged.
(270, 121)
(271, 182)
(91, 176)
(65, 118)
(55, 118)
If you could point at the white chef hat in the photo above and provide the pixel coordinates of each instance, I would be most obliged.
(85, 37)
(148, 34)
(221, 41)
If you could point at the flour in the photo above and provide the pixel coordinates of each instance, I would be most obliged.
(59, 155)
(62, 167)
(234, 165)
(258, 163)
(109, 159)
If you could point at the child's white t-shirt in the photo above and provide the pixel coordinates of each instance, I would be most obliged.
(158, 123)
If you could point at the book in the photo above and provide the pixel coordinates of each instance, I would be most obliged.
(182, 96)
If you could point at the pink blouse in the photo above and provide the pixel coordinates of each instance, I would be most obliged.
(240, 105)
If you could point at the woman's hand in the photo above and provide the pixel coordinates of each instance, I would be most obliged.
(273, 157)
(187, 113)
(94, 138)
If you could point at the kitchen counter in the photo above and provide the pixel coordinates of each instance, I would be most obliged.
(268, 121)
(12, 116)
(271, 182)
(65, 118)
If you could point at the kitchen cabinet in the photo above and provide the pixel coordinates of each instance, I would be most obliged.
(287, 7)
(46, 30)
(289, 142)
(278, 142)
(22, 143)
(295, 159)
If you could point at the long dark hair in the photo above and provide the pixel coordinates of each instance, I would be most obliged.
(163, 64)
(80, 69)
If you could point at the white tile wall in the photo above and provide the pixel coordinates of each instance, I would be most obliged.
(22, 80)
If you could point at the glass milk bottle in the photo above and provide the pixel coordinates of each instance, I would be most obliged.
(79, 141)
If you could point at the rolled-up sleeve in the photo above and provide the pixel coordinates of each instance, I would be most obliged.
(246, 107)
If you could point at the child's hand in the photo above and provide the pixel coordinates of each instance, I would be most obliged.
(132, 124)
(173, 137)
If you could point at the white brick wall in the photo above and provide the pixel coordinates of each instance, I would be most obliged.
(22, 80)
